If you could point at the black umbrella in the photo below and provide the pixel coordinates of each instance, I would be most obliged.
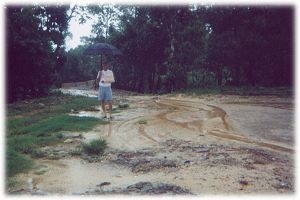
(100, 49)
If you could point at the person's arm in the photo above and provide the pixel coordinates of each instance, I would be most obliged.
(113, 77)
(98, 77)
(98, 74)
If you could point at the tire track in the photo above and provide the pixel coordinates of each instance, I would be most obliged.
(215, 112)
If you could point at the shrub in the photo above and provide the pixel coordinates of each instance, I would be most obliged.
(142, 122)
(123, 106)
(76, 152)
(95, 147)
(36, 153)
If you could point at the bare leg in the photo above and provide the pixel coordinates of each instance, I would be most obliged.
(110, 107)
(103, 107)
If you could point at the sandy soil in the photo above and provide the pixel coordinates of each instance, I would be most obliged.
(212, 144)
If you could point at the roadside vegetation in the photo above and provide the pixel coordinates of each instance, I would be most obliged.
(95, 147)
(234, 90)
(164, 49)
(35, 123)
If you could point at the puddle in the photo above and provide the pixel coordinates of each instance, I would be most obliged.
(100, 132)
(73, 176)
(76, 92)
(96, 114)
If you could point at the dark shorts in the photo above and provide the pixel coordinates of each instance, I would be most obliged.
(105, 93)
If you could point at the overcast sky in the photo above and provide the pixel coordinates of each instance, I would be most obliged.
(78, 30)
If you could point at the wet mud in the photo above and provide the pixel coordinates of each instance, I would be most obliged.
(164, 144)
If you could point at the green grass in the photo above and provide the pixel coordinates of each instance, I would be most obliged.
(16, 162)
(95, 147)
(56, 103)
(40, 172)
(12, 182)
(233, 90)
(55, 124)
(27, 139)
(35, 123)
(25, 144)
(76, 152)
(36, 153)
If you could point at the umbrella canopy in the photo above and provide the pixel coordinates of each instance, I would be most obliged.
(102, 48)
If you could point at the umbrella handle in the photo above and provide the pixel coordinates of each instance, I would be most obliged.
(101, 61)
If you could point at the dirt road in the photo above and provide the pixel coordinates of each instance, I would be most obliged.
(211, 144)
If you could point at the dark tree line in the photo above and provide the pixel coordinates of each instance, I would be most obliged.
(165, 48)
(34, 49)
(178, 47)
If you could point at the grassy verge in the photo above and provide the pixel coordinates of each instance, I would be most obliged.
(243, 90)
(16, 162)
(32, 124)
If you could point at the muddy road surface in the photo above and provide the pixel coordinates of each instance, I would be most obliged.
(187, 145)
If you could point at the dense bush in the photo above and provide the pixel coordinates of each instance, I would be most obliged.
(95, 147)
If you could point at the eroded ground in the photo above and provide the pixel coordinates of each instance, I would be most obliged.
(212, 144)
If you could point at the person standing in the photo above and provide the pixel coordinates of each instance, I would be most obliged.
(105, 77)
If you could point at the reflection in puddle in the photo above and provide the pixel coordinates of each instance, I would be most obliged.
(76, 92)
(96, 114)
(101, 132)
(109, 130)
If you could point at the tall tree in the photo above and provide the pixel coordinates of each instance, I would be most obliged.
(35, 35)
(173, 47)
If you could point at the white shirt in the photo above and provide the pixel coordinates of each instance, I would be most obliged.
(107, 76)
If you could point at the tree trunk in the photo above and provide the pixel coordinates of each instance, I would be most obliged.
(250, 73)
(141, 86)
(237, 76)
(158, 83)
(150, 78)
(152, 81)
(219, 75)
